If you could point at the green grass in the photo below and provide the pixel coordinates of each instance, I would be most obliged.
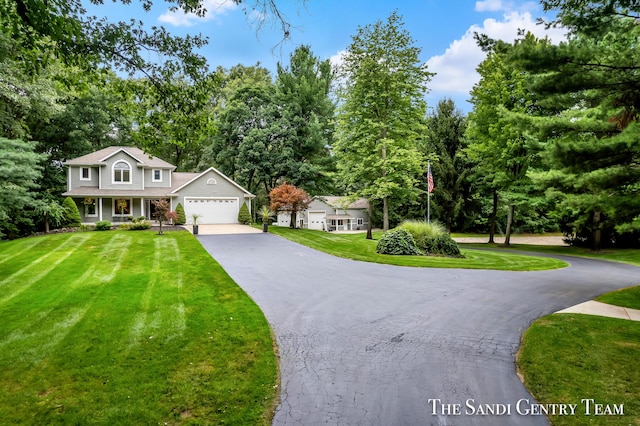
(567, 357)
(631, 256)
(128, 328)
(357, 247)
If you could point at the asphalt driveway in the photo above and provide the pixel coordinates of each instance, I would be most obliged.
(369, 344)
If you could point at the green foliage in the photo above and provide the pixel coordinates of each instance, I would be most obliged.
(397, 242)
(266, 214)
(137, 224)
(103, 225)
(451, 169)
(182, 218)
(432, 238)
(243, 215)
(381, 117)
(71, 213)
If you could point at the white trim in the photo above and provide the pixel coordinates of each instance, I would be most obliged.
(88, 173)
(113, 168)
(213, 169)
(153, 175)
(120, 150)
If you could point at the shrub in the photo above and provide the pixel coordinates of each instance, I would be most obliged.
(432, 238)
(442, 244)
(243, 215)
(397, 241)
(71, 216)
(103, 225)
(137, 224)
(182, 217)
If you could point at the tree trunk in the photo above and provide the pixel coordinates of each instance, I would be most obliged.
(370, 222)
(46, 223)
(597, 231)
(507, 237)
(385, 214)
(292, 225)
(492, 220)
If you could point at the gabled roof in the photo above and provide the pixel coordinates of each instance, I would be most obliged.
(98, 158)
(196, 176)
(344, 202)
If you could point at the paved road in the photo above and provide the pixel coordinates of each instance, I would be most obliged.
(369, 344)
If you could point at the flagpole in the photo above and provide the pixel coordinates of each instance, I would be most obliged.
(428, 193)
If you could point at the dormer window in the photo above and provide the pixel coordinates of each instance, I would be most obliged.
(121, 172)
(156, 175)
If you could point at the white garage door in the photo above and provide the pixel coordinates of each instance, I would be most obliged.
(212, 210)
(316, 220)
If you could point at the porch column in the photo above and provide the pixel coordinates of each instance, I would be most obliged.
(142, 207)
(100, 208)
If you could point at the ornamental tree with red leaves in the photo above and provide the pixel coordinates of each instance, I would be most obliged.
(290, 199)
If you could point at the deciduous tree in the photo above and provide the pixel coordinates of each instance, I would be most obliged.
(381, 114)
(289, 199)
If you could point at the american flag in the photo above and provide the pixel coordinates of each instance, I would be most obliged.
(429, 179)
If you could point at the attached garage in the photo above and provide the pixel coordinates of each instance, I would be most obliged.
(212, 210)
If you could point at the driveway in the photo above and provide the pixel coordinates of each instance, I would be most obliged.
(369, 344)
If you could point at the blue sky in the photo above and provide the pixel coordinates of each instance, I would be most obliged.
(443, 29)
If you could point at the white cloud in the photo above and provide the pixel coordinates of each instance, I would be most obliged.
(456, 68)
(214, 9)
(489, 6)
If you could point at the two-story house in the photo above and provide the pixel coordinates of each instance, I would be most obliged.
(118, 182)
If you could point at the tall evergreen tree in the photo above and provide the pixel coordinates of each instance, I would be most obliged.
(591, 88)
(445, 142)
(302, 89)
(382, 115)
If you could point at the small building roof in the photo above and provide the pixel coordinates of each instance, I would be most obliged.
(345, 203)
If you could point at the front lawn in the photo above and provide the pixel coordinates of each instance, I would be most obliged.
(125, 327)
(565, 358)
(357, 247)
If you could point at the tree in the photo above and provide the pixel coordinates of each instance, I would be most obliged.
(71, 213)
(289, 199)
(182, 218)
(590, 87)
(163, 212)
(243, 215)
(498, 147)
(381, 115)
(52, 211)
(19, 170)
(302, 88)
(445, 143)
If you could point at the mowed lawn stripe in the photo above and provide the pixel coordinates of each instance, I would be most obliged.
(24, 246)
(205, 353)
(12, 286)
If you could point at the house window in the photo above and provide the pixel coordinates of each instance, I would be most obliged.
(90, 210)
(157, 175)
(360, 221)
(121, 172)
(85, 173)
(122, 207)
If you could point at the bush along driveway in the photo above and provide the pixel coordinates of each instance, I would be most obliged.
(365, 343)
(128, 328)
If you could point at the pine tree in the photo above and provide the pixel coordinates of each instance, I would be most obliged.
(182, 217)
(71, 213)
(243, 215)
